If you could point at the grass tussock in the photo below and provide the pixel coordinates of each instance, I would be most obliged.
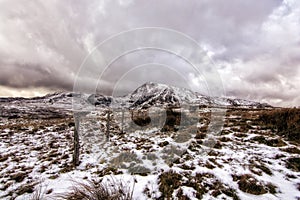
(38, 194)
(92, 191)
(168, 182)
(293, 150)
(293, 163)
(247, 183)
(273, 142)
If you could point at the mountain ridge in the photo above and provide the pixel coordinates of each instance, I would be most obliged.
(147, 95)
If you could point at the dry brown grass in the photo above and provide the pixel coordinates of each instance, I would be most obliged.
(93, 191)
(37, 124)
(293, 150)
(247, 183)
(293, 163)
(286, 122)
(272, 142)
(168, 182)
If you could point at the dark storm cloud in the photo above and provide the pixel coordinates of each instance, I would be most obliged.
(255, 45)
(33, 75)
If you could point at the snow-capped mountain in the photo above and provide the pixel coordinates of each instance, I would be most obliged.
(145, 96)
(150, 94)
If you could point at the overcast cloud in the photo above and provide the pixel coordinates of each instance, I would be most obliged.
(255, 45)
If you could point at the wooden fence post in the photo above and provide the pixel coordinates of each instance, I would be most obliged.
(108, 126)
(122, 124)
(76, 140)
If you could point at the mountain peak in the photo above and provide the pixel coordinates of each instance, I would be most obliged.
(154, 84)
(152, 93)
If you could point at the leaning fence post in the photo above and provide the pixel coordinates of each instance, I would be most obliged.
(107, 126)
(76, 140)
(122, 122)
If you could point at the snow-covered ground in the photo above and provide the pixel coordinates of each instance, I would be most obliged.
(246, 161)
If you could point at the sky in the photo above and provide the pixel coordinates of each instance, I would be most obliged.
(254, 47)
